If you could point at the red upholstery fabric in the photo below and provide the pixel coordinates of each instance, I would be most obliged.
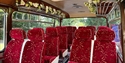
(33, 52)
(13, 49)
(104, 48)
(92, 28)
(49, 59)
(81, 47)
(52, 44)
(17, 34)
(83, 34)
(51, 31)
(73, 29)
(102, 27)
(36, 34)
(63, 41)
(70, 34)
(69, 29)
(34, 49)
(61, 31)
(81, 27)
(72, 62)
(105, 34)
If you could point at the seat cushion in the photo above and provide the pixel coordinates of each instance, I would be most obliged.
(72, 62)
(49, 59)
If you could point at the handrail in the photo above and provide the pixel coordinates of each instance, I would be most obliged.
(119, 55)
(119, 58)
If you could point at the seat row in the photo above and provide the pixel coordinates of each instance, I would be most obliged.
(47, 47)
(103, 50)
(40, 47)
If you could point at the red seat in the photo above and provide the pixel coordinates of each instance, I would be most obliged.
(52, 45)
(102, 27)
(93, 29)
(81, 27)
(61, 31)
(13, 49)
(73, 30)
(70, 32)
(81, 47)
(104, 48)
(34, 49)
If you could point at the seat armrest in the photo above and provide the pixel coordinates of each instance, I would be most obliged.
(55, 60)
(72, 62)
(65, 53)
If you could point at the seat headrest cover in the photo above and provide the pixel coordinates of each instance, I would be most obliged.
(83, 33)
(17, 33)
(105, 34)
(51, 31)
(92, 29)
(69, 29)
(35, 34)
(81, 27)
(61, 30)
(102, 27)
(74, 28)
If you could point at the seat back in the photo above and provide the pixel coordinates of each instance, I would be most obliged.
(61, 32)
(81, 47)
(104, 48)
(52, 42)
(13, 49)
(93, 29)
(70, 34)
(73, 29)
(34, 49)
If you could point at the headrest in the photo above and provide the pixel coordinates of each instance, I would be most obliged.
(105, 34)
(17, 33)
(61, 30)
(36, 34)
(69, 29)
(74, 28)
(81, 27)
(83, 34)
(93, 29)
(51, 31)
(102, 27)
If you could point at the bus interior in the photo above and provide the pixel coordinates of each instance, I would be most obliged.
(62, 31)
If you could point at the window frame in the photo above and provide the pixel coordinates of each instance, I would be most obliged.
(4, 29)
(29, 19)
(85, 19)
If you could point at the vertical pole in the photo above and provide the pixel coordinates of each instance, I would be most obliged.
(9, 23)
(54, 22)
(60, 20)
(107, 22)
(122, 6)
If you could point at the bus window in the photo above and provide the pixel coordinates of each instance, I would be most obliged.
(29, 21)
(57, 23)
(84, 22)
(2, 29)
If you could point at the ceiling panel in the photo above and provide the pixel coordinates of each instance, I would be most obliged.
(75, 8)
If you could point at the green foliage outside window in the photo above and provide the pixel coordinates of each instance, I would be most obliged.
(2, 29)
(84, 22)
(29, 21)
